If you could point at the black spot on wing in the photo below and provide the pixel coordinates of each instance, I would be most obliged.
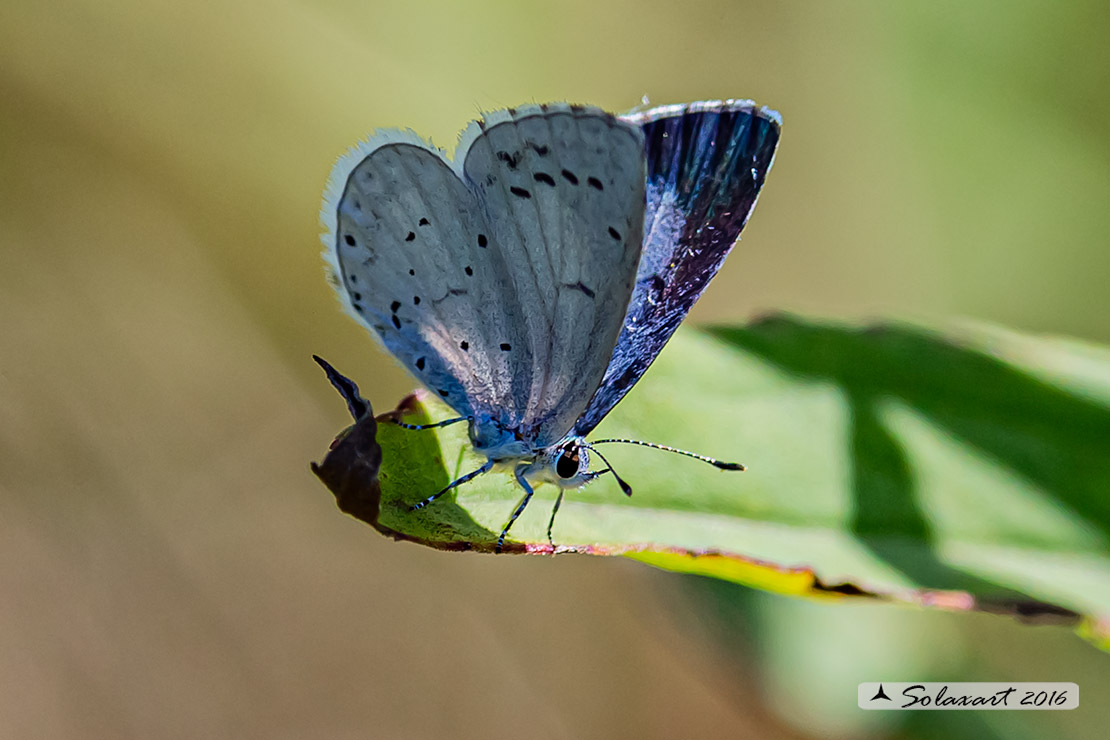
(482, 241)
(594, 183)
(424, 222)
(411, 236)
(581, 287)
(614, 233)
(520, 192)
(350, 240)
(570, 177)
(511, 160)
(419, 363)
(469, 270)
(545, 178)
(505, 346)
(464, 345)
(396, 321)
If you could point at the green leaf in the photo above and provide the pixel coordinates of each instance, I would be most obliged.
(963, 471)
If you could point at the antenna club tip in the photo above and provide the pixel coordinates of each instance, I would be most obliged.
(729, 466)
(626, 488)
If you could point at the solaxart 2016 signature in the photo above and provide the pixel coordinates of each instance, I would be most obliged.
(937, 695)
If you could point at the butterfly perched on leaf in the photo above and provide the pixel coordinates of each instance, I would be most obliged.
(531, 280)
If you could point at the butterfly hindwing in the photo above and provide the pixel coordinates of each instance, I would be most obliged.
(495, 278)
(402, 223)
(706, 163)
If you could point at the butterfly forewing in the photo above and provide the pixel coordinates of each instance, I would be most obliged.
(563, 190)
(706, 163)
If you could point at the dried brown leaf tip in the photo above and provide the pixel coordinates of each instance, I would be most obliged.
(350, 469)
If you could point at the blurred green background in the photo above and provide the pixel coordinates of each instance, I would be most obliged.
(169, 566)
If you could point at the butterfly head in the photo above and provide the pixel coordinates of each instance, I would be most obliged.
(565, 464)
(569, 460)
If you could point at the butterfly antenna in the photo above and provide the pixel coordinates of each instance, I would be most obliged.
(720, 464)
(620, 481)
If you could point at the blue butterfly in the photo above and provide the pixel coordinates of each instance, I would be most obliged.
(533, 279)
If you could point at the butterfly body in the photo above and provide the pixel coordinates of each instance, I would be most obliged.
(531, 280)
(537, 464)
(546, 465)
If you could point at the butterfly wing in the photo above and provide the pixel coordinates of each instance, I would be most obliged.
(706, 163)
(500, 279)
(564, 193)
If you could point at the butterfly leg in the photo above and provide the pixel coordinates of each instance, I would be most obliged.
(558, 502)
(551, 522)
(520, 507)
(457, 482)
(418, 427)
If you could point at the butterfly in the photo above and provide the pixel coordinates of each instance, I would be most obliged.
(531, 280)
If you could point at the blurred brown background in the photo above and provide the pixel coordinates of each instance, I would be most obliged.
(168, 565)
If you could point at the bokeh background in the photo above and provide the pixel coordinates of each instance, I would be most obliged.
(168, 565)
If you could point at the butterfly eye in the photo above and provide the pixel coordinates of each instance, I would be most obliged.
(567, 464)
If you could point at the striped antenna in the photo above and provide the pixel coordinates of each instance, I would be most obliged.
(620, 481)
(722, 465)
